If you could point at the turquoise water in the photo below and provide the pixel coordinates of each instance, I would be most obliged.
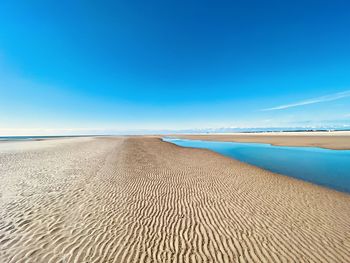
(330, 168)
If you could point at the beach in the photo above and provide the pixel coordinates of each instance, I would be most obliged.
(337, 140)
(139, 199)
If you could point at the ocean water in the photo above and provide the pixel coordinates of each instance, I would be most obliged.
(329, 168)
(32, 138)
(19, 138)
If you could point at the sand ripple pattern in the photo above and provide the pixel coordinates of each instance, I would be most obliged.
(143, 200)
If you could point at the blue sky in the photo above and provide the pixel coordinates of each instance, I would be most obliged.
(104, 66)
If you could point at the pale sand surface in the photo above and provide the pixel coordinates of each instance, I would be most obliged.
(22, 146)
(143, 200)
(330, 140)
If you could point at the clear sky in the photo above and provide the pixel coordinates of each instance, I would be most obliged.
(78, 66)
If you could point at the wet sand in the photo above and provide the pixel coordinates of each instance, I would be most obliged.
(140, 199)
(328, 140)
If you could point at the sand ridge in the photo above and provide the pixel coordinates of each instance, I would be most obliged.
(328, 140)
(144, 200)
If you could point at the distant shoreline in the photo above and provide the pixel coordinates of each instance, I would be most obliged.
(336, 140)
(339, 140)
(40, 138)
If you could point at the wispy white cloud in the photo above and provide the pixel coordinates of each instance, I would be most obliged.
(331, 97)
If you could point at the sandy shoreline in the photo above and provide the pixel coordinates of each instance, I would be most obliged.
(328, 140)
(138, 199)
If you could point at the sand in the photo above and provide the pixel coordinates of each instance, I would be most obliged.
(143, 200)
(23, 146)
(329, 140)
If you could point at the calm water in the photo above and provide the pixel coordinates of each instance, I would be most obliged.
(330, 168)
(33, 138)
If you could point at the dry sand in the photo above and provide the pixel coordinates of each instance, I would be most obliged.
(143, 200)
(329, 140)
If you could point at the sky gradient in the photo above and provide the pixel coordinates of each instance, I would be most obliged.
(108, 66)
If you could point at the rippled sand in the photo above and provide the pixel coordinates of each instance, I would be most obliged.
(143, 200)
